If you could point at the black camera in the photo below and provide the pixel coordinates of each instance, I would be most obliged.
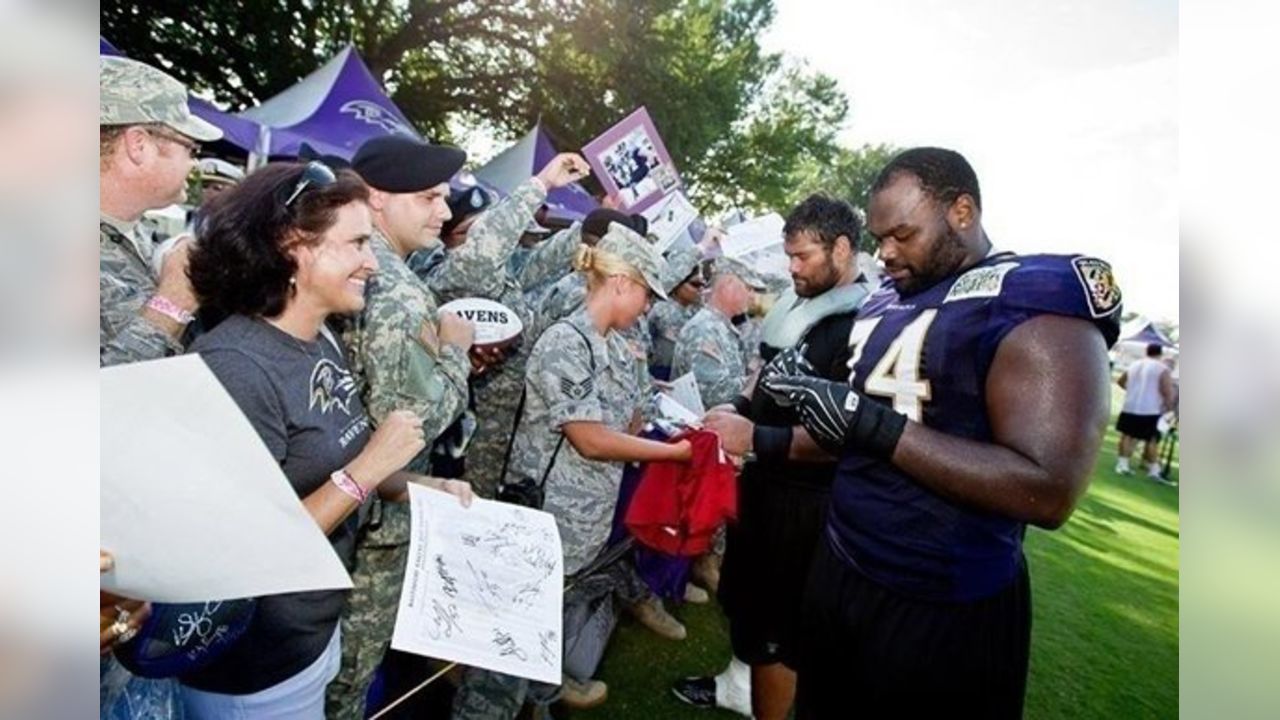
(522, 492)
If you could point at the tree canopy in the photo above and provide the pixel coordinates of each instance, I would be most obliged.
(746, 127)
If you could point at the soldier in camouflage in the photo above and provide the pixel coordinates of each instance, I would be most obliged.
(574, 432)
(684, 287)
(148, 142)
(473, 263)
(410, 357)
(709, 346)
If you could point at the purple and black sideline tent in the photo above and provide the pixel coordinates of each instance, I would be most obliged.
(522, 161)
(334, 109)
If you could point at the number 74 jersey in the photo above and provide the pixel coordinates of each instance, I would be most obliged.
(928, 355)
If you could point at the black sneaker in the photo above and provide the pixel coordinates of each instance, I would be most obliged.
(697, 691)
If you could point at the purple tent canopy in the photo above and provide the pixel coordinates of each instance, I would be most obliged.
(334, 109)
(521, 161)
(1149, 335)
(235, 130)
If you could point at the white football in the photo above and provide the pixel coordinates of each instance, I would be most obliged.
(496, 324)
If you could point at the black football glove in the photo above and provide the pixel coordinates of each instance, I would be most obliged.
(837, 416)
(789, 361)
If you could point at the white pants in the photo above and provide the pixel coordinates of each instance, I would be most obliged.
(301, 697)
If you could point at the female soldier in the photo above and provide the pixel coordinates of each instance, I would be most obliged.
(572, 438)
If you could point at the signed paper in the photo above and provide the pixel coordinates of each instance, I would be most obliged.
(193, 506)
(483, 587)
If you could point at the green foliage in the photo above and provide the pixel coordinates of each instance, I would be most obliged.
(743, 125)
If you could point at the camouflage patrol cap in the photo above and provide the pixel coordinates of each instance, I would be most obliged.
(725, 265)
(634, 249)
(134, 93)
(681, 263)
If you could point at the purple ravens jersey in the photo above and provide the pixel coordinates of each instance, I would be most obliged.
(928, 355)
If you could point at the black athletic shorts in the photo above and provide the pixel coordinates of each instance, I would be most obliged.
(1141, 427)
(868, 652)
(766, 563)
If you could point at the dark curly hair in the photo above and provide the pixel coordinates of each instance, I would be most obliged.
(826, 217)
(944, 174)
(240, 263)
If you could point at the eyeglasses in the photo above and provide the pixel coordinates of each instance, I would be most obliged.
(192, 147)
(315, 174)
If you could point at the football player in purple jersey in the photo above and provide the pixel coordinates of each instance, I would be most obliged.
(975, 405)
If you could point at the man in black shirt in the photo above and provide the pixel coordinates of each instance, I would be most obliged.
(783, 492)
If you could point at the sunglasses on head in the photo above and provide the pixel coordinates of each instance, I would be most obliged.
(315, 175)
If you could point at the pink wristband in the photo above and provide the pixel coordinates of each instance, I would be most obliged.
(169, 309)
(348, 485)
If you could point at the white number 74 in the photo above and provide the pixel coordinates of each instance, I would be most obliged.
(897, 374)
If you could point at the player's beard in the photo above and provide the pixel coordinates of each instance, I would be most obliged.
(944, 258)
(826, 278)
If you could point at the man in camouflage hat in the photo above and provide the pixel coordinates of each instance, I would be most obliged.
(410, 357)
(709, 345)
(684, 289)
(148, 140)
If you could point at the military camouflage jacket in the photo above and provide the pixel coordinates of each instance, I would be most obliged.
(400, 368)
(479, 267)
(125, 284)
(710, 348)
(665, 321)
(572, 380)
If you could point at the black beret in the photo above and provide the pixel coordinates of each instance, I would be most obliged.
(399, 164)
(463, 203)
(597, 222)
(306, 153)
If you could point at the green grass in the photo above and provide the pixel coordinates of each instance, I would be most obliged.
(1105, 633)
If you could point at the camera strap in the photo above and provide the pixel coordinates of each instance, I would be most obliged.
(515, 425)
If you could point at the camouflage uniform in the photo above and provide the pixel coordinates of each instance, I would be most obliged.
(662, 325)
(478, 268)
(711, 349)
(134, 93)
(400, 371)
(628, 349)
(665, 321)
(567, 379)
(124, 286)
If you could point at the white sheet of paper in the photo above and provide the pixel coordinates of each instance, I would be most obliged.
(752, 235)
(194, 507)
(673, 410)
(668, 218)
(484, 586)
(684, 390)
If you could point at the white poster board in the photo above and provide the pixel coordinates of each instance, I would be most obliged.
(752, 235)
(483, 586)
(193, 505)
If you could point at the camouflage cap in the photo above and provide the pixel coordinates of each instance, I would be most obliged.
(681, 263)
(134, 93)
(634, 249)
(725, 265)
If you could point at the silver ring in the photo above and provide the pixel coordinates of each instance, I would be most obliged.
(127, 635)
(118, 628)
(122, 615)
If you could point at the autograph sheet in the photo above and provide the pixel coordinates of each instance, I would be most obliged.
(484, 586)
